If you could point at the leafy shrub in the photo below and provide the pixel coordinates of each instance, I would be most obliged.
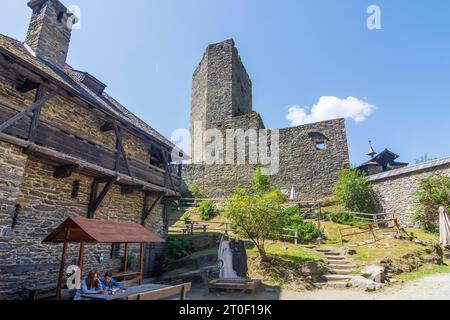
(328, 201)
(254, 218)
(207, 210)
(260, 183)
(275, 196)
(197, 192)
(307, 231)
(345, 218)
(353, 191)
(431, 194)
(177, 248)
(131, 258)
(186, 217)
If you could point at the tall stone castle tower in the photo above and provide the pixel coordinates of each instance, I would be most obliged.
(309, 156)
(222, 92)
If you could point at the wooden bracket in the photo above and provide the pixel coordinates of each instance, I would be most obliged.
(107, 126)
(5, 125)
(95, 202)
(65, 171)
(120, 151)
(148, 210)
(27, 86)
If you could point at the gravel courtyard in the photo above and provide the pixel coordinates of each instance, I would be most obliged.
(436, 287)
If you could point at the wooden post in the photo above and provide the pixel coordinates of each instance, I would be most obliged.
(141, 265)
(125, 259)
(296, 237)
(80, 258)
(226, 228)
(61, 267)
(373, 232)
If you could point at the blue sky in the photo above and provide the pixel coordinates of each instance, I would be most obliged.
(296, 51)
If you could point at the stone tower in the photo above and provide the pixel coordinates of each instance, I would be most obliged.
(221, 92)
(50, 30)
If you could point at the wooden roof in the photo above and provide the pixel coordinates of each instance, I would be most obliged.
(101, 231)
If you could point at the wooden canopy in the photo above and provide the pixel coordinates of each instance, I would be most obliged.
(90, 231)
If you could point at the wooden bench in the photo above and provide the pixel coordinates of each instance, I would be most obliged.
(124, 275)
(248, 286)
(48, 292)
(177, 292)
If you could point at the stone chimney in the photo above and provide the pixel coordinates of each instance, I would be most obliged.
(49, 31)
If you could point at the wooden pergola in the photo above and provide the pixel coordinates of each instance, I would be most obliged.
(90, 231)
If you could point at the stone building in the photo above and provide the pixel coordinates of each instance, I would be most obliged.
(67, 148)
(395, 190)
(309, 155)
(381, 162)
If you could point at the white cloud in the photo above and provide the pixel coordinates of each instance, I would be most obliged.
(329, 108)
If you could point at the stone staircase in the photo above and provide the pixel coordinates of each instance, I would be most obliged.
(340, 269)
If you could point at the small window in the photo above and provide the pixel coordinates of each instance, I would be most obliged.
(115, 251)
(60, 16)
(321, 145)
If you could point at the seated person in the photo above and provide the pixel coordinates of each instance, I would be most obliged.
(109, 283)
(90, 285)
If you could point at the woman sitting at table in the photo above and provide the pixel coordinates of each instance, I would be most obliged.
(90, 285)
(108, 283)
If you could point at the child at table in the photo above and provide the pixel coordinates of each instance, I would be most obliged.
(90, 285)
(109, 283)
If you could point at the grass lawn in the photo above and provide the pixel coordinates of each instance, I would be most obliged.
(284, 259)
(385, 248)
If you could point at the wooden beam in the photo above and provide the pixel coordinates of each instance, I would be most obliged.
(147, 210)
(95, 202)
(80, 258)
(36, 115)
(65, 171)
(120, 150)
(168, 175)
(84, 165)
(23, 113)
(141, 265)
(107, 126)
(62, 266)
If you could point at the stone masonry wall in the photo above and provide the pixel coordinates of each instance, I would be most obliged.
(395, 190)
(311, 172)
(45, 202)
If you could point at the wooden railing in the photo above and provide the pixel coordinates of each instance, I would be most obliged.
(65, 140)
(369, 229)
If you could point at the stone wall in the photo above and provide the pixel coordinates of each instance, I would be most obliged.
(45, 202)
(311, 172)
(394, 190)
(310, 155)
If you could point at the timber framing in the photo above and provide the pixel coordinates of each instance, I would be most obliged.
(69, 151)
(147, 209)
(96, 200)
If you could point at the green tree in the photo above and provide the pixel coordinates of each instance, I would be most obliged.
(432, 193)
(424, 158)
(260, 182)
(353, 191)
(254, 218)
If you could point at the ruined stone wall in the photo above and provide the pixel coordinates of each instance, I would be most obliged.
(312, 172)
(394, 190)
(45, 202)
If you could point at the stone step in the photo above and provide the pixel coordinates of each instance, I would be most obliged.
(334, 284)
(342, 272)
(340, 262)
(337, 277)
(341, 266)
(324, 250)
(335, 257)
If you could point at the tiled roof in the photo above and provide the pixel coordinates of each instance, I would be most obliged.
(68, 78)
(406, 170)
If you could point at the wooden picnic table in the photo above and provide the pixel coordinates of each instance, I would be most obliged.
(124, 294)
